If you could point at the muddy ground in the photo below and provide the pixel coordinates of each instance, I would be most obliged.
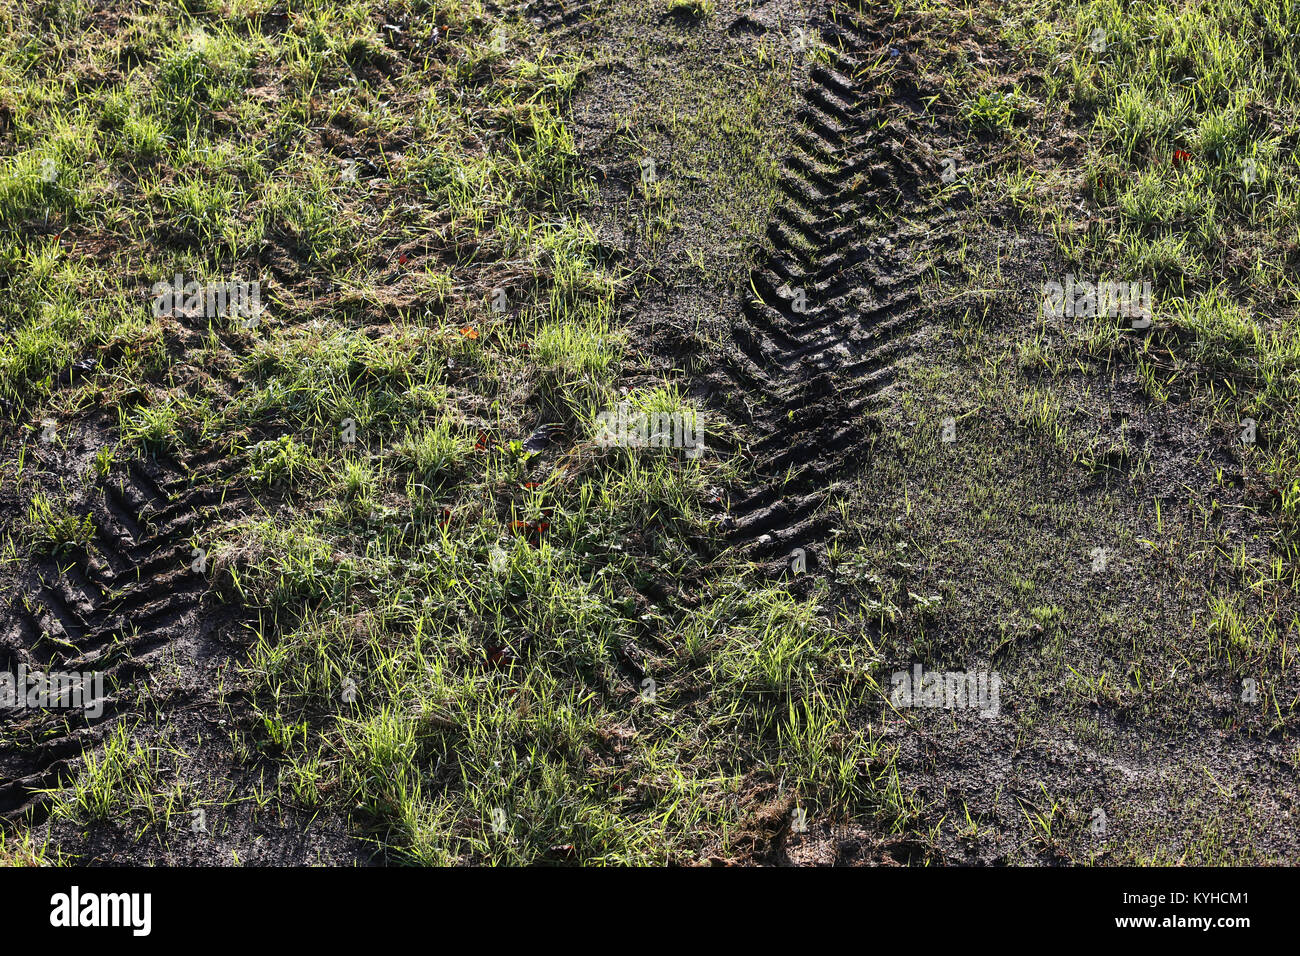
(859, 328)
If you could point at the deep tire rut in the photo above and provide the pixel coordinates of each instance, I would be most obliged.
(114, 609)
(833, 310)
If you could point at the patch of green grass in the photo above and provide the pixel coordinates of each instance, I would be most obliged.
(123, 777)
(433, 453)
(21, 849)
(53, 529)
(996, 110)
(1191, 118)
(692, 8)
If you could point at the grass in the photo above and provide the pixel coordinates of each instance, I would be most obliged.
(473, 634)
(1160, 153)
(692, 8)
(124, 777)
(448, 631)
(1191, 118)
(20, 850)
(53, 529)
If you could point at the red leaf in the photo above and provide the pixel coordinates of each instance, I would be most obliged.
(499, 656)
(533, 530)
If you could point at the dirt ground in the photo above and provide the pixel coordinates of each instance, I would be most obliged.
(798, 213)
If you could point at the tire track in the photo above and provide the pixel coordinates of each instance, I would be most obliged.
(834, 308)
(115, 609)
